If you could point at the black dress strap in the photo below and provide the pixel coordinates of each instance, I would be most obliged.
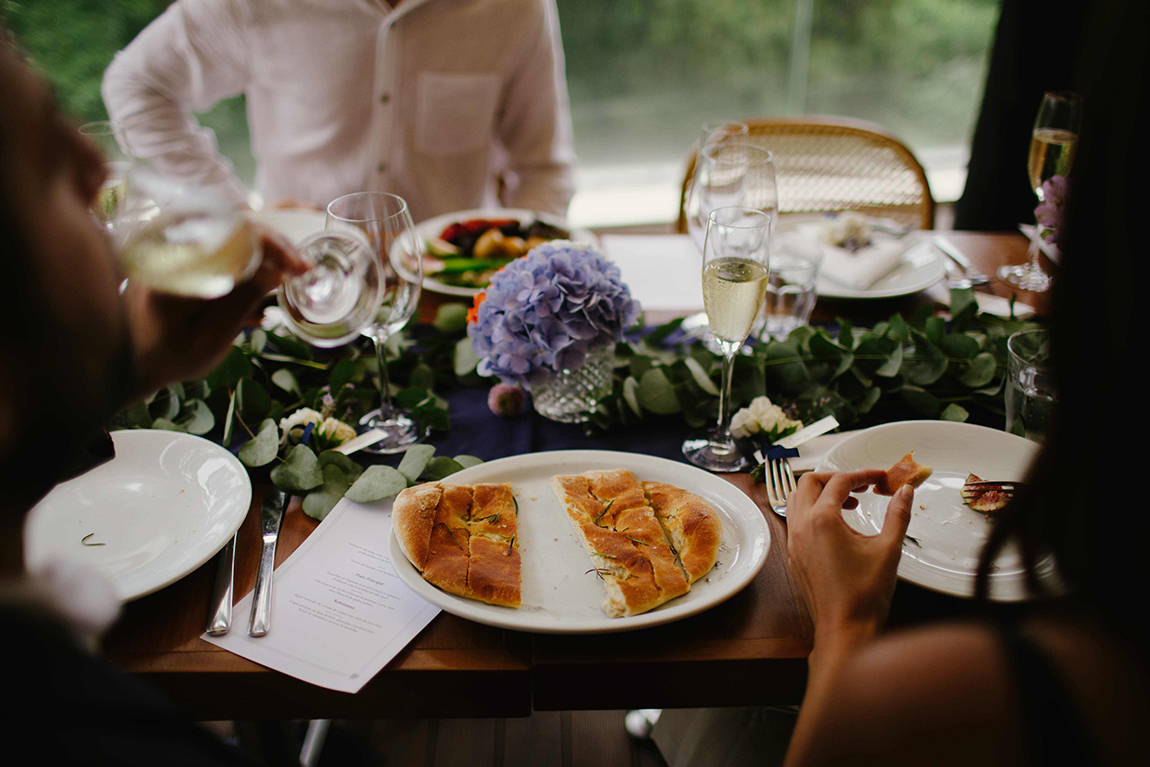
(1054, 729)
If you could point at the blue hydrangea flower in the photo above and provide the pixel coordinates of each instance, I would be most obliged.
(544, 311)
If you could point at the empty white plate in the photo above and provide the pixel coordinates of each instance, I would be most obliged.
(165, 505)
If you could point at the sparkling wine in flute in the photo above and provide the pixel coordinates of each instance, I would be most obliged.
(733, 292)
(1051, 154)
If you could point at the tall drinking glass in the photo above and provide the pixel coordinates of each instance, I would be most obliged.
(386, 221)
(112, 142)
(1052, 146)
(1030, 389)
(727, 173)
(730, 174)
(735, 270)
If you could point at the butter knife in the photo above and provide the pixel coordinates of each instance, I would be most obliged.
(947, 247)
(271, 517)
(221, 618)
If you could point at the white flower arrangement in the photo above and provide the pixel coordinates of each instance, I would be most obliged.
(329, 431)
(763, 417)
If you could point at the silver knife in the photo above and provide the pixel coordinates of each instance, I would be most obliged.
(973, 275)
(221, 603)
(271, 517)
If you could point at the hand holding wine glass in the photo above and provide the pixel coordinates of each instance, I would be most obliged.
(1052, 146)
(735, 270)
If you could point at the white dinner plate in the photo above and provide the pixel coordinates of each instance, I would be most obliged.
(922, 266)
(950, 534)
(294, 223)
(559, 595)
(165, 505)
(433, 227)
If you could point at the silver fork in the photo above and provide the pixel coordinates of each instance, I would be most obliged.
(780, 481)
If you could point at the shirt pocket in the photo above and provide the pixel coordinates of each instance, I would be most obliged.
(454, 114)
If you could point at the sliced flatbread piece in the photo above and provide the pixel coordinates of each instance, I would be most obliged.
(627, 546)
(906, 471)
(462, 538)
(691, 524)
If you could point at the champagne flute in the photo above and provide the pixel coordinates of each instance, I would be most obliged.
(110, 139)
(1052, 146)
(386, 221)
(735, 270)
(183, 240)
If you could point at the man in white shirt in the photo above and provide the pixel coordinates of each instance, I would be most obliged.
(451, 104)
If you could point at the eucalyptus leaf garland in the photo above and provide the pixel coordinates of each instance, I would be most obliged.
(936, 368)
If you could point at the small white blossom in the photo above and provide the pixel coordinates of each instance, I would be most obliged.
(335, 432)
(299, 421)
(762, 417)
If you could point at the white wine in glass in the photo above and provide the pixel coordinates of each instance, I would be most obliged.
(1051, 154)
(110, 139)
(183, 240)
(735, 272)
(733, 293)
(1052, 145)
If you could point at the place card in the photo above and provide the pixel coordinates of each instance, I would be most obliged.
(663, 271)
(339, 611)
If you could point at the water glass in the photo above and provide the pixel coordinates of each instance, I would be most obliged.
(791, 290)
(1030, 391)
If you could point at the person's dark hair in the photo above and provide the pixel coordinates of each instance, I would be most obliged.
(1085, 504)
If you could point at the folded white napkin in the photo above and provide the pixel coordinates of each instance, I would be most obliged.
(1052, 251)
(858, 270)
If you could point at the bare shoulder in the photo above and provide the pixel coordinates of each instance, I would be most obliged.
(941, 695)
(949, 694)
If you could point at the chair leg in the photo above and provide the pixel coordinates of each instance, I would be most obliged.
(313, 742)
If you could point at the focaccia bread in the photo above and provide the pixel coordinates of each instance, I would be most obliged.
(691, 524)
(628, 546)
(906, 471)
(462, 538)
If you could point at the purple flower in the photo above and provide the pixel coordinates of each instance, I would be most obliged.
(543, 312)
(1051, 213)
(506, 400)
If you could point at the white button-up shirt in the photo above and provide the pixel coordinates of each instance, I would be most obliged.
(438, 101)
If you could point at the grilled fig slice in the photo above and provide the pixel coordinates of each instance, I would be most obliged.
(982, 498)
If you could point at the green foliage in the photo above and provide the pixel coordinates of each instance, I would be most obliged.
(937, 369)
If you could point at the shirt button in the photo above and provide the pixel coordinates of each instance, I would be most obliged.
(385, 98)
(381, 167)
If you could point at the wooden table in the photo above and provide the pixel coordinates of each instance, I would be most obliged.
(750, 650)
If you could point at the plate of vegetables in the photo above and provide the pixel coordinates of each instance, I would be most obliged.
(463, 250)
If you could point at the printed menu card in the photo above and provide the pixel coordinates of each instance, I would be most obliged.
(339, 611)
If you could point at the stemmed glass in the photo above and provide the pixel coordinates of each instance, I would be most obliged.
(386, 221)
(112, 142)
(735, 270)
(1052, 146)
(728, 173)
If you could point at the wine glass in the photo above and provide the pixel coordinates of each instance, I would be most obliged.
(386, 221)
(728, 173)
(110, 139)
(722, 131)
(1052, 146)
(184, 240)
(735, 270)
